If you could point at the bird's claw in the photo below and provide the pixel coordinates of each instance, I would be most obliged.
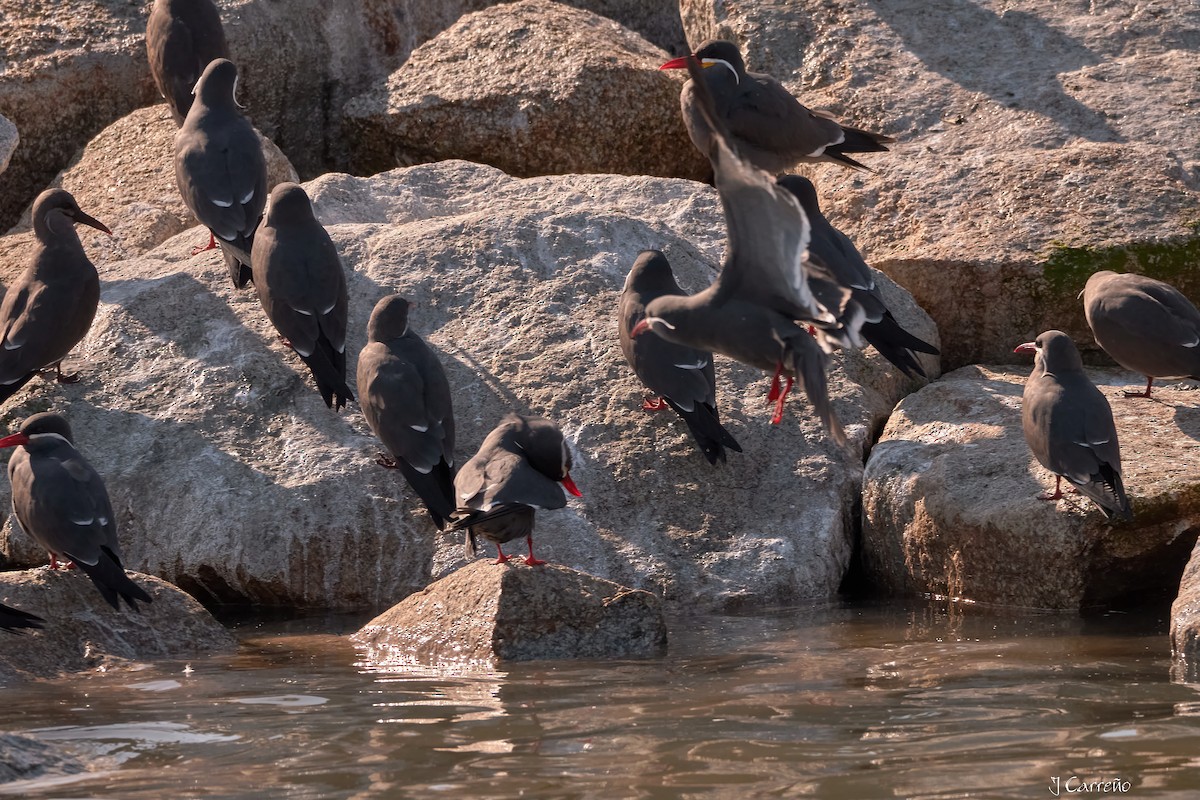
(657, 404)
(386, 462)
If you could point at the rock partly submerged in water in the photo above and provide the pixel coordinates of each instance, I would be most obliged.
(534, 88)
(82, 632)
(232, 479)
(487, 612)
(950, 500)
(1185, 624)
(26, 758)
(1012, 179)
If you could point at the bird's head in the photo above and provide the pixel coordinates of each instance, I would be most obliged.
(288, 203)
(55, 212)
(389, 319)
(217, 86)
(39, 427)
(714, 52)
(546, 449)
(1054, 351)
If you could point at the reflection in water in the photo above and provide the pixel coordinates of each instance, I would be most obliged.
(842, 702)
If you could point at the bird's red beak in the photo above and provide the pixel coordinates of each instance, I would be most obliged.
(567, 483)
(639, 329)
(1028, 347)
(13, 440)
(677, 63)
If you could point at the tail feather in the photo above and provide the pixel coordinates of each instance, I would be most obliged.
(705, 426)
(1108, 491)
(808, 363)
(896, 344)
(328, 368)
(9, 389)
(109, 577)
(237, 260)
(13, 619)
(435, 488)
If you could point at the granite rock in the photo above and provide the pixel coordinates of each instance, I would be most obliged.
(534, 88)
(484, 613)
(950, 502)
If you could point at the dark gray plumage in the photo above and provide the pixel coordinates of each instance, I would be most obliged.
(61, 502)
(14, 619)
(302, 287)
(49, 309)
(182, 38)
(1146, 325)
(220, 168)
(834, 249)
(755, 309)
(517, 470)
(767, 125)
(1069, 425)
(683, 377)
(405, 397)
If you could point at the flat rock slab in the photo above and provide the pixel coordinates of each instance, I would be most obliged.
(1014, 177)
(82, 632)
(488, 612)
(534, 88)
(950, 506)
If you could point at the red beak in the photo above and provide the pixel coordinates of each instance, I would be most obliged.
(567, 483)
(677, 63)
(1028, 347)
(640, 328)
(13, 440)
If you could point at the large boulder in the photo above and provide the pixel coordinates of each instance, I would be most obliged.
(950, 507)
(534, 88)
(82, 632)
(231, 478)
(125, 178)
(1185, 623)
(484, 613)
(1014, 178)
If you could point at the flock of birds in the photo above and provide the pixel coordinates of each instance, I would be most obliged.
(791, 289)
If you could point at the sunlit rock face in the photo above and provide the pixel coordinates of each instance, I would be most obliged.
(1037, 143)
(950, 501)
(231, 477)
(486, 613)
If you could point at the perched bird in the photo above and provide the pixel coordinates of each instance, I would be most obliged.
(1069, 425)
(834, 249)
(220, 168)
(13, 619)
(302, 287)
(756, 309)
(1147, 326)
(49, 309)
(682, 377)
(405, 398)
(182, 38)
(517, 470)
(61, 502)
(767, 125)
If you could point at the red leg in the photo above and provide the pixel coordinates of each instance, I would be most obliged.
(657, 404)
(530, 559)
(58, 375)
(212, 245)
(53, 561)
(778, 418)
(386, 461)
(500, 559)
(1149, 383)
(286, 342)
(1057, 490)
(773, 394)
(812, 331)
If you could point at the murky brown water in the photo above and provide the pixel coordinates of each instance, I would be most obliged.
(840, 702)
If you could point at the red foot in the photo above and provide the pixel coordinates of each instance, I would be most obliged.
(530, 559)
(212, 245)
(286, 342)
(778, 418)
(54, 563)
(1057, 494)
(501, 559)
(1149, 383)
(657, 404)
(773, 394)
(386, 461)
(812, 331)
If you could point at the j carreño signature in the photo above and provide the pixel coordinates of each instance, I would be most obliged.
(1077, 785)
